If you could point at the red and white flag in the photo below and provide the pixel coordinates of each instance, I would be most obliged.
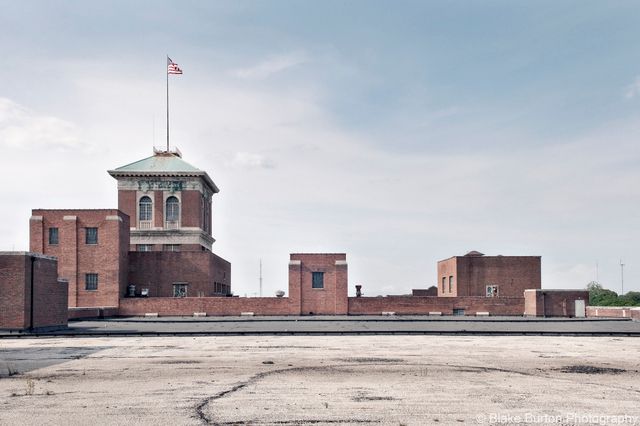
(172, 67)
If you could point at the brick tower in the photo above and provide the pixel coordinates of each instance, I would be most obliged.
(168, 201)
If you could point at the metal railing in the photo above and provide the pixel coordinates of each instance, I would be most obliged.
(144, 224)
(171, 224)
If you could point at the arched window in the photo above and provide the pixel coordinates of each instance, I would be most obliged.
(144, 210)
(173, 209)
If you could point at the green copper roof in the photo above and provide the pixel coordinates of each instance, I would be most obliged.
(162, 164)
(159, 163)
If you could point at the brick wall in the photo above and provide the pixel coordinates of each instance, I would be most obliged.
(329, 300)
(471, 274)
(447, 269)
(431, 291)
(553, 303)
(13, 296)
(49, 294)
(222, 306)
(159, 271)
(414, 305)
(614, 312)
(82, 313)
(128, 204)
(76, 258)
(192, 209)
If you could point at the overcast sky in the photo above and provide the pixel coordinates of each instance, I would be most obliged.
(398, 132)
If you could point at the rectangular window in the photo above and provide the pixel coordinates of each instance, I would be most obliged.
(172, 247)
(53, 235)
(450, 284)
(91, 235)
(492, 291)
(180, 290)
(458, 312)
(91, 281)
(444, 280)
(317, 280)
(144, 247)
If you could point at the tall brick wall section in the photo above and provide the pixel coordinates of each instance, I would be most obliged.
(191, 208)
(159, 271)
(76, 258)
(49, 294)
(512, 274)
(415, 305)
(446, 269)
(329, 300)
(553, 303)
(13, 296)
(531, 304)
(170, 306)
(128, 205)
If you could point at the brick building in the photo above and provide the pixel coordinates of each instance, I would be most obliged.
(555, 303)
(168, 201)
(475, 274)
(318, 283)
(92, 251)
(157, 241)
(31, 295)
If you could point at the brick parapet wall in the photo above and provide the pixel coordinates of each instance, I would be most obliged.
(159, 271)
(416, 305)
(213, 306)
(614, 312)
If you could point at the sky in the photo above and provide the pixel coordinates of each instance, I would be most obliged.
(398, 132)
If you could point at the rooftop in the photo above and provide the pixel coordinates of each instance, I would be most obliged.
(162, 163)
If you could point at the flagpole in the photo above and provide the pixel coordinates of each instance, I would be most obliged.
(167, 71)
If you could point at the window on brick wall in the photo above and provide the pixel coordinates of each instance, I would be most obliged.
(53, 235)
(90, 281)
(145, 211)
(172, 213)
(450, 284)
(180, 290)
(317, 280)
(492, 291)
(444, 281)
(172, 247)
(144, 247)
(91, 235)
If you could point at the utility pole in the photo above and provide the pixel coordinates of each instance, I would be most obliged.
(260, 277)
(622, 277)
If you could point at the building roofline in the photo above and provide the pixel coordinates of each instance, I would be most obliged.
(202, 174)
(485, 257)
(79, 210)
(27, 253)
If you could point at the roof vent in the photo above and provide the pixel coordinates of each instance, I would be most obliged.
(162, 151)
(474, 253)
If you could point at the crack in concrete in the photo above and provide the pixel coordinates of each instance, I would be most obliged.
(257, 377)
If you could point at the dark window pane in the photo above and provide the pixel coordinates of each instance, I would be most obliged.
(91, 281)
(173, 209)
(317, 280)
(145, 208)
(53, 235)
(92, 235)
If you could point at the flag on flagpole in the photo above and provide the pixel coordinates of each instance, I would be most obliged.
(172, 67)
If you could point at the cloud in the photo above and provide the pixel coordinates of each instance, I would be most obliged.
(633, 89)
(270, 66)
(249, 160)
(24, 129)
